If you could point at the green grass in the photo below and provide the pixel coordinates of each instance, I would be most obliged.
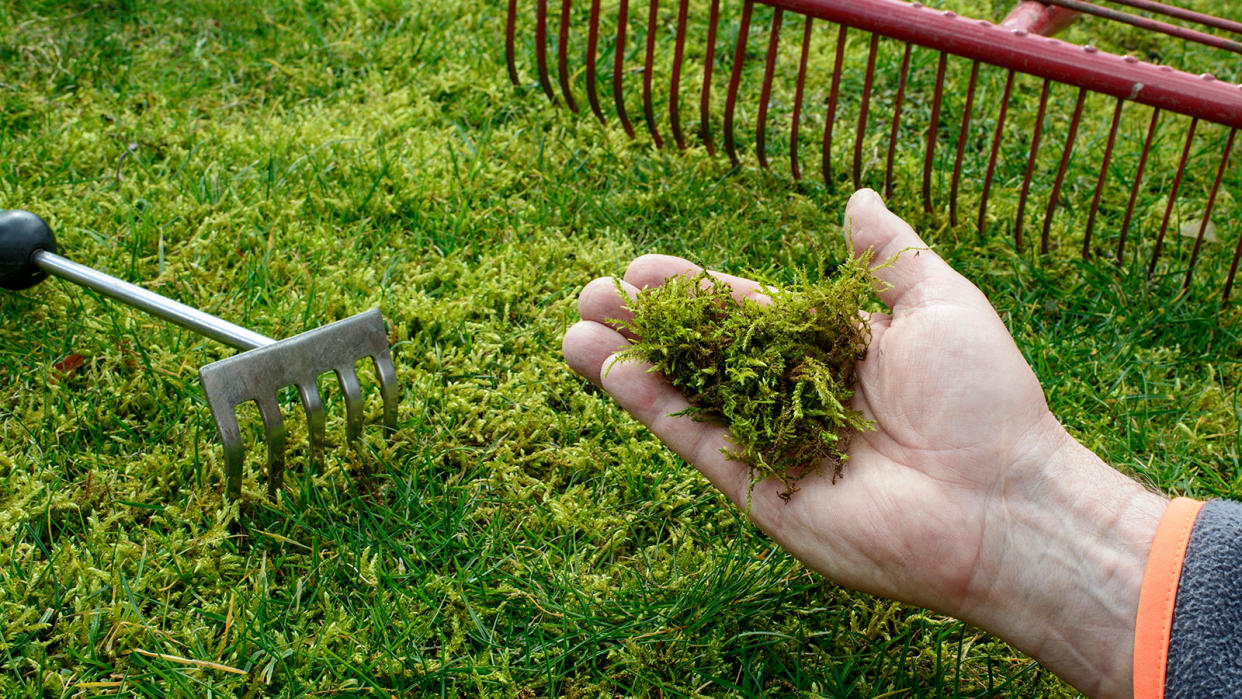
(287, 164)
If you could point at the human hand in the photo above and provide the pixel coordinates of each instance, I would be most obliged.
(969, 498)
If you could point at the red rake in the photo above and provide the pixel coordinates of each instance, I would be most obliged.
(1117, 87)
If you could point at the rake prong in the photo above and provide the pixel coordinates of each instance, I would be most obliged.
(709, 60)
(996, 144)
(1207, 213)
(618, 67)
(1036, 137)
(352, 391)
(592, 54)
(1138, 180)
(541, 48)
(1177, 185)
(316, 422)
(653, 24)
(1099, 185)
(674, 84)
(510, 31)
(274, 426)
(937, 101)
(834, 95)
(735, 80)
(562, 57)
(961, 141)
(797, 105)
(1233, 270)
(387, 375)
(765, 96)
(863, 107)
(234, 452)
(892, 136)
(1044, 243)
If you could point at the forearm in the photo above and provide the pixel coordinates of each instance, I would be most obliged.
(1062, 583)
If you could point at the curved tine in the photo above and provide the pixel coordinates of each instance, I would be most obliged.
(592, 54)
(562, 57)
(797, 105)
(1036, 136)
(510, 31)
(961, 141)
(705, 98)
(352, 392)
(1177, 184)
(234, 453)
(892, 136)
(387, 375)
(1099, 185)
(1065, 158)
(735, 80)
(834, 95)
(937, 101)
(674, 83)
(1233, 271)
(1138, 179)
(765, 95)
(274, 426)
(618, 67)
(1207, 213)
(312, 403)
(541, 48)
(863, 108)
(653, 24)
(996, 143)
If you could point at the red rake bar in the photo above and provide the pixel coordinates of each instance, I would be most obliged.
(1018, 46)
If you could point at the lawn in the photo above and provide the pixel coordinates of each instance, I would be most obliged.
(287, 164)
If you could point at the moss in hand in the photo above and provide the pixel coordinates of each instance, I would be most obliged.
(779, 375)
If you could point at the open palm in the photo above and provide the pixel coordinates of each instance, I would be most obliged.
(958, 414)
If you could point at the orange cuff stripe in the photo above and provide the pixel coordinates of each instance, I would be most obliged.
(1154, 625)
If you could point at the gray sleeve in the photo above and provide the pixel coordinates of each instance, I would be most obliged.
(1205, 647)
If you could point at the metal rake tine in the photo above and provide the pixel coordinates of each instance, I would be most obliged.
(765, 96)
(1099, 185)
(735, 80)
(653, 23)
(834, 95)
(274, 427)
(961, 141)
(1207, 213)
(352, 391)
(1138, 180)
(234, 451)
(541, 49)
(562, 57)
(863, 108)
(387, 375)
(1044, 243)
(618, 67)
(510, 40)
(316, 422)
(933, 126)
(996, 143)
(709, 60)
(674, 83)
(892, 136)
(796, 119)
(592, 49)
(1177, 185)
(1036, 136)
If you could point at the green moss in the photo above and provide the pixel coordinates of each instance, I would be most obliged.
(779, 374)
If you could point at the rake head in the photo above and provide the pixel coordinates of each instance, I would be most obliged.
(298, 361)
(1141, 108)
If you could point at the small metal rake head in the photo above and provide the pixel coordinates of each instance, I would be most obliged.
(961, 126)
(298, 361)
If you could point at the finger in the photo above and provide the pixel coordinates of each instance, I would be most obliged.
(917, 273)
(587, 345)
(653, 401)
(652, 270)
(601, 302)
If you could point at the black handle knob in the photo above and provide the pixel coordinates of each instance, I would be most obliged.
(21, 234)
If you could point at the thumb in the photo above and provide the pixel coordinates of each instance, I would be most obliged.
(869, 225)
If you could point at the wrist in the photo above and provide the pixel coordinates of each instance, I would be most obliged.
(1066, 567)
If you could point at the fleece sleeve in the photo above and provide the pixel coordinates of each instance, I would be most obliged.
(1188, 637)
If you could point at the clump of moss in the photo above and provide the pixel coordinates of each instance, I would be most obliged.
(780, 375)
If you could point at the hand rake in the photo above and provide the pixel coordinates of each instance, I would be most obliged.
(28, 255)
(1123, 90)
